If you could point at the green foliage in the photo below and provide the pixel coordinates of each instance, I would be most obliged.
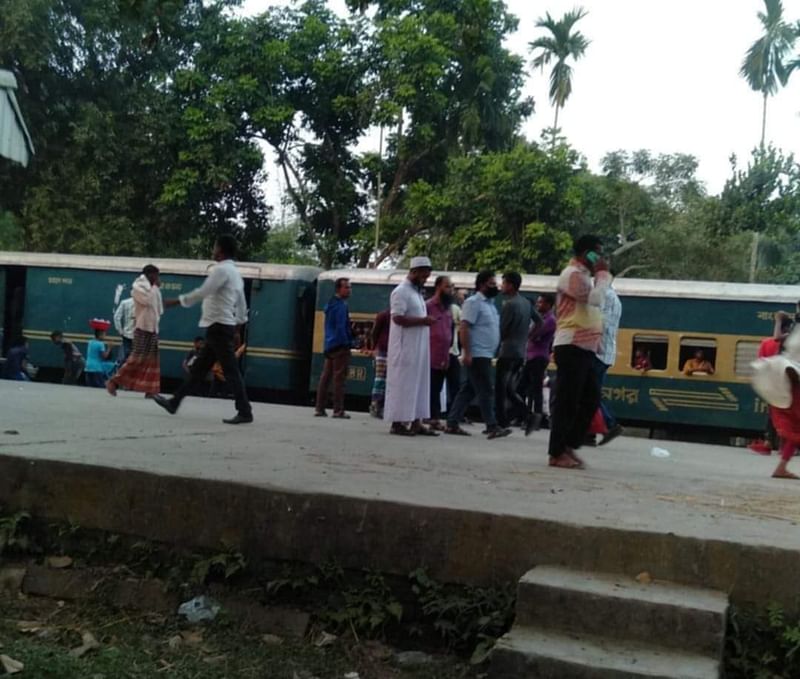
(222, 566)
(365, 608)
(12, 236)
(283, 245)
(12, 535)
(762, 646)
(465, 617)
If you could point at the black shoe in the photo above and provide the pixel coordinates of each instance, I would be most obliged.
(239, 419)
(590, 440)
(498, 432)
(166, 403)
(533, 423)
(612, 433)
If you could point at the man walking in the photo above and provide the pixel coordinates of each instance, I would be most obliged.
(607, 354)
(579, 328)
(338, 341)
(408, 361)
(515, 321)
(125, 324)
(480, 336)
(74, 363)
(441, 341)
(224, 307)
(141, 371)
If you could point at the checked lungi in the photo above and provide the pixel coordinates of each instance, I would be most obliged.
(141, 370)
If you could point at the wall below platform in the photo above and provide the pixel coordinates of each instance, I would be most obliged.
(462, 546)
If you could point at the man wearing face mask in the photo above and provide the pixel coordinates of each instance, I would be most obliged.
(480, 336)
(408, 361)
(441, 341)
(579, 330)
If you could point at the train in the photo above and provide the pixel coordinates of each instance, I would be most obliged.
(669, 320)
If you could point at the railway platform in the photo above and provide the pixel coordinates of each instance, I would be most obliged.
(292, 486)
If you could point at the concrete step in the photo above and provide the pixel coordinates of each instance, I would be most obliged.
(619, 607)
(530, 653)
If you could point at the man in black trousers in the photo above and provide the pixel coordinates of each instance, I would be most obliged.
(224, 308)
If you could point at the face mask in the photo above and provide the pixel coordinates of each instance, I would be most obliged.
(492, 292)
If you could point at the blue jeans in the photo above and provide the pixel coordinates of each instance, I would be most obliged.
(478, 383)
(600, 370)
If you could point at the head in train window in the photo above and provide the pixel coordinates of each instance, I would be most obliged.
(224, 247)
(342, 288)
(589, 250)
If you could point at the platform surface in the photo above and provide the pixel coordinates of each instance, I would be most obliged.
(701, 491)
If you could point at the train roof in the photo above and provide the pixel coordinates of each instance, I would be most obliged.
(198, 267)
(627, 287)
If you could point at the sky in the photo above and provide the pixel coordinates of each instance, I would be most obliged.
(660, 75)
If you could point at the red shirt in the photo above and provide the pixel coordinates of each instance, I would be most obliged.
(441, 334)
(769, 347)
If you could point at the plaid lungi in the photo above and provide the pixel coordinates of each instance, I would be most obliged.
(379, 385)
(141, 371)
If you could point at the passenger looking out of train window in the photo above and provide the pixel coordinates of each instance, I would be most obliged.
(338, 342)
(73, 359)
(540, 346)
(698, 365)
(441, 339)
(17, 361)
(379, 345)
(641, 361)
(98, 364)
(579, 330)
(408, 367)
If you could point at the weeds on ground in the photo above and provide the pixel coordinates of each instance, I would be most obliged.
(762, 646)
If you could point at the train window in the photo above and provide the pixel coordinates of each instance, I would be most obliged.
(649, 352)
(361, 332)
(746, 353)
(698, 356)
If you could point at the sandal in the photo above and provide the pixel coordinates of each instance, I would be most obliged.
(341, 416)
(424, 431)
(400, 430)
(458, 431)
(320, 413)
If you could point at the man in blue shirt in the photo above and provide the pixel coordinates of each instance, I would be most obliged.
(16, 361)
(479, 333)
(338, 340)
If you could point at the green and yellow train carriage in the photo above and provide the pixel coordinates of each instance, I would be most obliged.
(669, 320)
(40, 292)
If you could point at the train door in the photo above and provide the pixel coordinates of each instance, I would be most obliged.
(13, 305)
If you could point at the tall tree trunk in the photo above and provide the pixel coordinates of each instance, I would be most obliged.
(555, 126)
(764, 120)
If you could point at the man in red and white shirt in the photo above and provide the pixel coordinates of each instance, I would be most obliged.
(579, 331)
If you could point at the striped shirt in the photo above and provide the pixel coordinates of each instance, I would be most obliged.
(612, 313)
(579, 317)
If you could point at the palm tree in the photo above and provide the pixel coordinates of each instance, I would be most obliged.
(561, 44)
(763, 66)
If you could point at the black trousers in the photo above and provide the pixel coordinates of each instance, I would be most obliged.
(218, 347)
(453, 381)
(505, 390)
(535, 370)
(438, 378)
(577, 398)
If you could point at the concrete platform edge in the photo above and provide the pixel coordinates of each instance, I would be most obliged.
(470, 547)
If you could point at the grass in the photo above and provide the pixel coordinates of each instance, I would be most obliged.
(148, 646)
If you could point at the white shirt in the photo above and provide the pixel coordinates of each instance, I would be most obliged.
(148, 306)
(222, 294)
(124, 319)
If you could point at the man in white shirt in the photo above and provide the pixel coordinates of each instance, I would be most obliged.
(125, 324)
(224, 308)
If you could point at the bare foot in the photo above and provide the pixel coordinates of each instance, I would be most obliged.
(571, 453)
(784, 474)
(564, 461)
(111, 387)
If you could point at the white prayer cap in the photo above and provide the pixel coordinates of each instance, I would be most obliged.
(420, 263)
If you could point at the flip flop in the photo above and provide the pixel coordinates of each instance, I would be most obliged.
(424, 431)
(401, 431)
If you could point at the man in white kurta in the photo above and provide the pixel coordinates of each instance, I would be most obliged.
(408, 359)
